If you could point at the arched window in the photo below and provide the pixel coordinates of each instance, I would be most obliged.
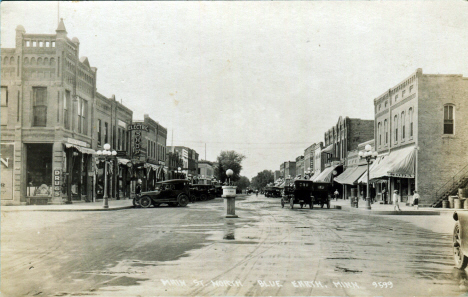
(46, 61)
(52, 62)
(33, 61)
(39, 61)
(410, 113)
(386, 131)
(26, 60)
(449, 115)
(403, 126)
(12, 60)
(395, 124)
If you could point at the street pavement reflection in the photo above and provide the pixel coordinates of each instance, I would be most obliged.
(194, 250)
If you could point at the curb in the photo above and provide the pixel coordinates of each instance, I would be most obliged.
(393, 212)
(67, 209)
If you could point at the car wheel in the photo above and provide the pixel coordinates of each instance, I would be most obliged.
(145, 201)
(193, 198)
(291, 203)
(183, 200)
(461, 261)
(203, 197)
(282, 203)
(136, 203)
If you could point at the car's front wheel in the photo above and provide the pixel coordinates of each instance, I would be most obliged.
(145, 201)
(203, 197)
(461, 261)
(182, 200)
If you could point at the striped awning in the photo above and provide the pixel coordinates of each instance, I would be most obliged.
(80, 149)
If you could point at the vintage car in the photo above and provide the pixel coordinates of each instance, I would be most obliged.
(321, 193)
(201, 192)
(298, 192)
(460, 239)
(174, 192)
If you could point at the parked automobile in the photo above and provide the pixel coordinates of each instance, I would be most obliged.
(298, 192)
(219, 190)
(174, 192)
(321, 193)
(460, 239)
(201, 192)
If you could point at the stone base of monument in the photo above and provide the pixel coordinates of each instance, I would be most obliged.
(229, 194)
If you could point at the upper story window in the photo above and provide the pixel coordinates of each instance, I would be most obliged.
(53, 43)
(379, 132)
(386, 131)
(4, 109)
(106, 132)
(380, 106)
(396, 97)
(410, 114)
(39, 106)
(99, 132)
(403, 128)
(411, 88)
(395, 123)
(66, 110)
(403, 93)
(386, 104)
(448, 119)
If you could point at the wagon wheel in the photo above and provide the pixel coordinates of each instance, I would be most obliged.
(461, 261)
(291, 203)
(145, 201)
(183, 200)
(282, 203)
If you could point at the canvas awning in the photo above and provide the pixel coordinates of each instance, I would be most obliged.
(326, 175)
(122, 161)
(328, 149)
(399, 163)
(314, 176)
(351, 175)
(80, 148)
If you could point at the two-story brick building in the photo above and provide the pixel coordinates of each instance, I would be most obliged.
(421, 128)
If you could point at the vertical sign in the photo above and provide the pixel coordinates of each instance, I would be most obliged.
(6, 170)
(57, 181)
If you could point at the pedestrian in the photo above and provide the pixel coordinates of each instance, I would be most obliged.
(415, 199)
(384, 195)
(138, 188)
(396, 198)
(336, 194)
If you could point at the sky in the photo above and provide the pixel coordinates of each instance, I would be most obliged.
(265, 79)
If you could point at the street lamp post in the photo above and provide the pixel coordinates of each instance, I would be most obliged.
(229, 193)
(368, 155)
(106, 154)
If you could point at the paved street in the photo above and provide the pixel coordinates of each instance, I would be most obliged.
(196, 251)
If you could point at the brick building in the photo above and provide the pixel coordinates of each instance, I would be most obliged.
(148, 152)
(48, 94)
(300, 166)
(189, 160)
(205, 172)
(421, 128)
(277, 175)
(110, 125)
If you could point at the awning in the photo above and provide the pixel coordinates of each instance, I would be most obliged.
(326, 175)
(328, 149)
(122, 161)
(351, 175)
(315, 175)
(81, 149)
(399, 163)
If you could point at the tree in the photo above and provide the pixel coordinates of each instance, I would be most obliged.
(229, 160)
(243, 183)
(262, 179)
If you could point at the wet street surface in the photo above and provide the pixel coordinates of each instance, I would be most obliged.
(194, 250)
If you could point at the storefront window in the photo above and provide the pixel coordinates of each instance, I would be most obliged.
(39, 169)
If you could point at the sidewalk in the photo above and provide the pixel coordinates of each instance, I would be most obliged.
(76, 206)
(387, 209)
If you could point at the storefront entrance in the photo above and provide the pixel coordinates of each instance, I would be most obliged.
(39, 173)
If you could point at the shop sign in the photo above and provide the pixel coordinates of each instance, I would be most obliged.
(77, 142)
(6, 170)
(57, 181)
(137, 143)
(138, 127)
